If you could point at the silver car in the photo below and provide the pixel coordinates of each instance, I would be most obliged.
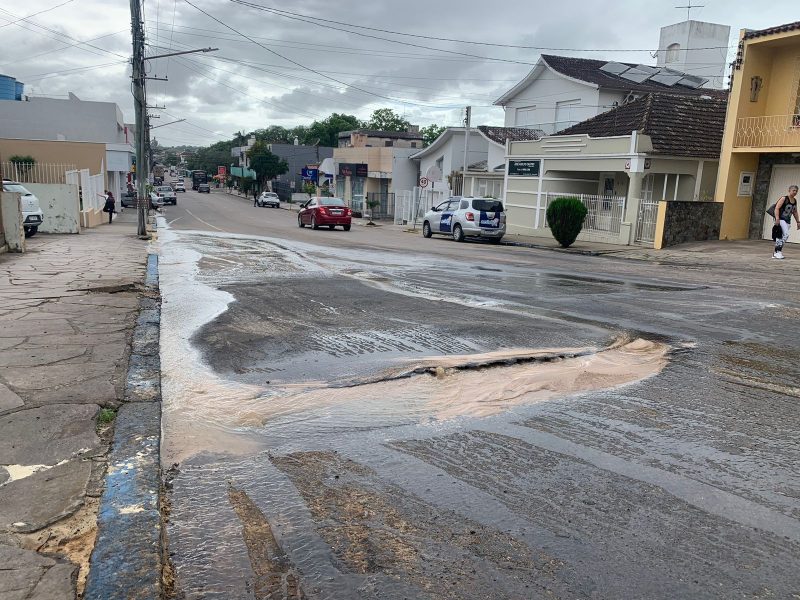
(462, 217)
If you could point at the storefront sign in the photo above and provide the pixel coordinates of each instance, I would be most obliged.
(353, 170)
(524, 168)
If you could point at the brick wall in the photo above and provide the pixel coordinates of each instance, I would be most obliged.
(761, 189)
(688, 221)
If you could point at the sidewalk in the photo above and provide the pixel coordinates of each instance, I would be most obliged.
(67, 308)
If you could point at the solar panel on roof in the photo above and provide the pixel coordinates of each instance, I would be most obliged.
(648, 69)
(691, 81)
(636, 75)
(664, 79)
(614, 68)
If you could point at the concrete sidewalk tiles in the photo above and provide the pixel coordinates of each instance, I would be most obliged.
(67, 310)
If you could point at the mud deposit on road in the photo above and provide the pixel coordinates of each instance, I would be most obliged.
(405, 547)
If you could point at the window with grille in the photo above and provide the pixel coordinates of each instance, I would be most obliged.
(673, 53)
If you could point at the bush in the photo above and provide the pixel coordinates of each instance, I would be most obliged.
(565, 217)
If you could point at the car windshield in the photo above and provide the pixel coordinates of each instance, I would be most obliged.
(331, 202)
(485, 205)
(15, 187)
(165, 188)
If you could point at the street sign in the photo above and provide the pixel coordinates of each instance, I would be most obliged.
(525, 168)
(309, 174)
(353, 170)
(221, 171)
(423, 182)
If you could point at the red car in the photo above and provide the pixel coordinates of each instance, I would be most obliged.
(319, 212)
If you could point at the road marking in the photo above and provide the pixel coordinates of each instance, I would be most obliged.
(204, 222)
(175, 219)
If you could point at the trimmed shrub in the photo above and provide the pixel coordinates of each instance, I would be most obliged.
(565, 217)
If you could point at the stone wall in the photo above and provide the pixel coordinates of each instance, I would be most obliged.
(761, 189)
(688, 221)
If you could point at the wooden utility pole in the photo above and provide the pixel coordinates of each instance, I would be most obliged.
(140, 113)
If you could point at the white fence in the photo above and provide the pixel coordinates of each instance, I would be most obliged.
(646, 222)
(36, 172)
(604, 213)
(411, 205)
(91, 187)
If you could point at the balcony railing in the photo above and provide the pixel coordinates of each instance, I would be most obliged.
(767, 131)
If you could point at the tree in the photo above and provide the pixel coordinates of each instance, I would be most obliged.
(565, 217)
(385, 119)
(326, 132)
(266, 164)
(23, 164)
(274, 134)
(430, 133)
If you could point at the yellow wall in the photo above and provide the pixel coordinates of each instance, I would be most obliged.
(84, 155)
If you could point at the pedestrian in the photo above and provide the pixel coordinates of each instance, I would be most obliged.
(255, 197)
(110, 206)
(784, 208)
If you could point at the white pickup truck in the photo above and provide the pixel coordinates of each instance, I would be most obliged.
(167, 194)
(32, 214)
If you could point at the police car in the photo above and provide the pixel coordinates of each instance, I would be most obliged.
(463, 217)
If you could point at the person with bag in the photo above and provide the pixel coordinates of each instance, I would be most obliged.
(782, 212)
(110, 206)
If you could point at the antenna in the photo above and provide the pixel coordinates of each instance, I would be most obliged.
(689, 6)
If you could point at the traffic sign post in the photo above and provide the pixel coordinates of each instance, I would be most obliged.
(423, 182)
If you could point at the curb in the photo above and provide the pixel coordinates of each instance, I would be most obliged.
(126, 560)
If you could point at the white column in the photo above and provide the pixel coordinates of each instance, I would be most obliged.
(664, 193)
(698, 179)
(538, 218)
(677, 181)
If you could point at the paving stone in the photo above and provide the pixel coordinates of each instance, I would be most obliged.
(40, 356)
(50, 327)
(47, 435)
(58, 492)
(99, 390)
(27, 575)
(8, 399)
(51, 376)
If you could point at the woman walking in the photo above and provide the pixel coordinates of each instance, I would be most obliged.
(110, 206)
(784, 209)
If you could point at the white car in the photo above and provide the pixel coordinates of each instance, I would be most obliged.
(462, 217)
(269, 199)
(156, 200)
(179, 187)
(168, 194)
(32, 214)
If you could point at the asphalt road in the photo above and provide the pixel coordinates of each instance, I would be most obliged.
(369, 414)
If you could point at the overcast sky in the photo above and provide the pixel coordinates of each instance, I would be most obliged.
(246, 86)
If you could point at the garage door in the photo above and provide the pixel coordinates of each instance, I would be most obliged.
(782, 177)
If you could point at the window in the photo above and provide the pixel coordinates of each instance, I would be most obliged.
(673, 53)
(488, 205)
(526, 116)
(388, 143)
(567, 113)
(464, 204)
(490, 188)
(413, 144)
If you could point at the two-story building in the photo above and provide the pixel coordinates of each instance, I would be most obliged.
(375, 164)
(761, 147)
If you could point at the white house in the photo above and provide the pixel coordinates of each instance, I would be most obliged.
(562, 91)
(443, 161)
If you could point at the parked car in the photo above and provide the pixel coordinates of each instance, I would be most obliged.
(203, 188)
(269, 199)
(463, 217)
(128, 199)
(32, 215)
(168, 194)
(156, 200)
(319, 212)
(179, 187)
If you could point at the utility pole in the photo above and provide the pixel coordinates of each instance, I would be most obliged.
(140, 112)
(467, 120)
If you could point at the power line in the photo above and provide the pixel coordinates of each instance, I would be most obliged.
(317, 20)
(36, 13)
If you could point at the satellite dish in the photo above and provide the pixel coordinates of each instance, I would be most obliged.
(433, 173)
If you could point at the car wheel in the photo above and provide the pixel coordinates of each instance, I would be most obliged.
(346, 227)
(30, 231)
(314, 222)
(331, 227)
(426, 230)
(496, 241)
(300, 222)
(458, 233)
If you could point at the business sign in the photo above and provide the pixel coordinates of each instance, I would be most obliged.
(221, 171)
(309, 174)
(524, 168)
(353, 170)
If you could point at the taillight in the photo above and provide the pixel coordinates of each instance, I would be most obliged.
(470, 216)
(348, 212)
(323, 210)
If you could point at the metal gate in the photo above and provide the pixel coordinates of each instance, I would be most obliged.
(384, 204)
(646, 222)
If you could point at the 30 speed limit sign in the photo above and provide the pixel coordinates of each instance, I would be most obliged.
(423, 182)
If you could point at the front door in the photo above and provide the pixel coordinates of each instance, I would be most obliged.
(782, 177)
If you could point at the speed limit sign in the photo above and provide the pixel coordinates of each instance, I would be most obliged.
(423, 182)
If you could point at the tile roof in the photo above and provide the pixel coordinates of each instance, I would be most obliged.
(588, 69)
(398, 135)
(499, 135)
(481, 165)
(771, 30)
(677, 125)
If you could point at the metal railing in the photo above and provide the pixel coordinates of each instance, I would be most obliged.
(604, 213)
(36, 172)
(384, 210)
(767, 131)
(646, 222)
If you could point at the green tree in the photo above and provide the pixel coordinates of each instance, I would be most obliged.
(22, 165)
(274, 134)
(209, 158)
(385, 119)
(430, 133)
(266, 164)
(326, 132)
(565, 217)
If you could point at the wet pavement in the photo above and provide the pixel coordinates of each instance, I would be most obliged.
(363, 416)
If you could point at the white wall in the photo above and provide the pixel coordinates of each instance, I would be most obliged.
(11, 212)
(452, 154)
(708, 61)
(60, 204)
(405, 172)
(537, 102)
(496, 155)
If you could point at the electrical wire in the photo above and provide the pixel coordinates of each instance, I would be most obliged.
(36, 13)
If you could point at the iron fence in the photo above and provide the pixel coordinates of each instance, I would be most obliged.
(383, 205)
(36, 172)
(603, 213)
(646, 222)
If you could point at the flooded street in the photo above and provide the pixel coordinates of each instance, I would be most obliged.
(361, 415)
